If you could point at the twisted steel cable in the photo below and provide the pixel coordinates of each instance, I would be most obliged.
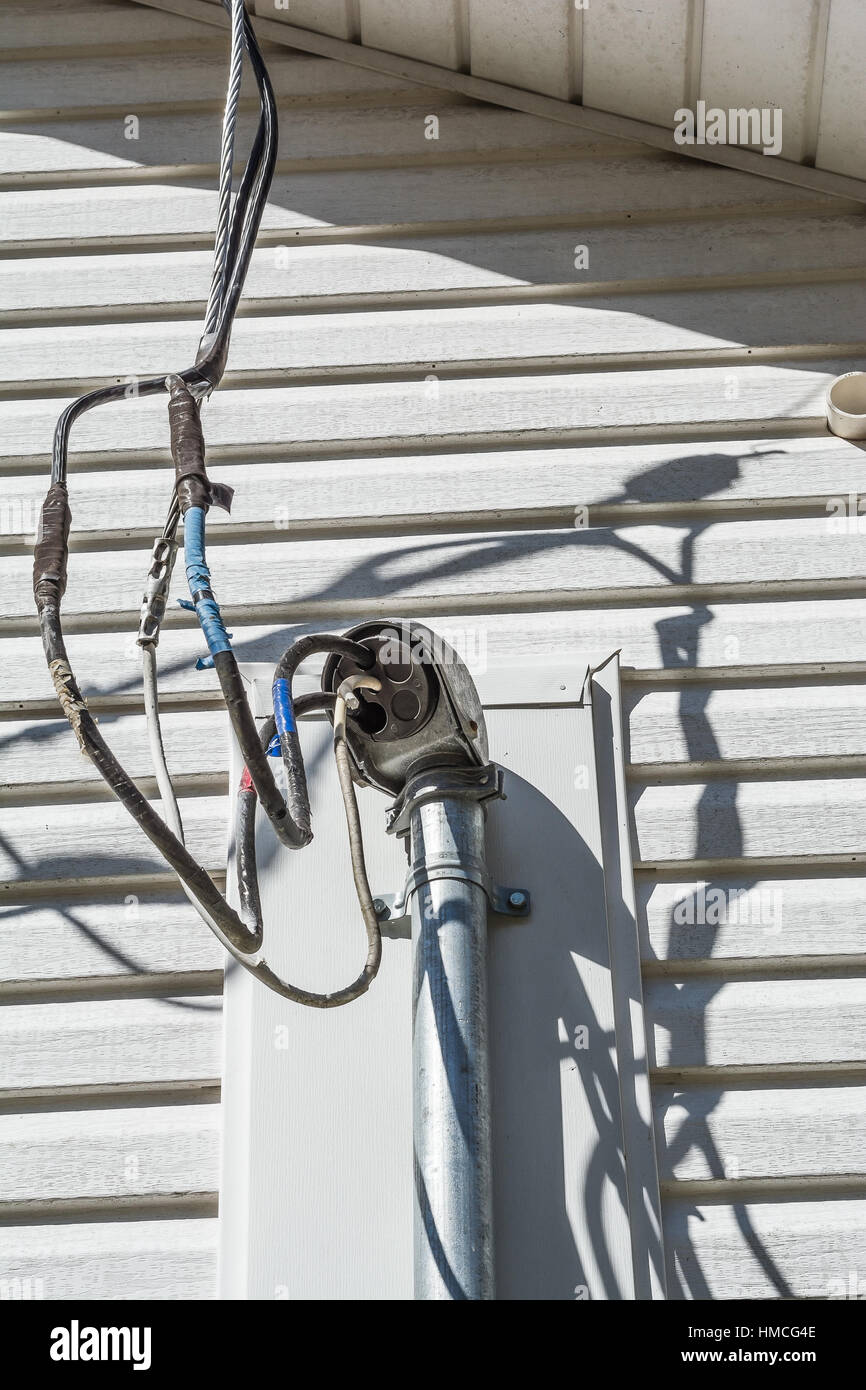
(227, 155)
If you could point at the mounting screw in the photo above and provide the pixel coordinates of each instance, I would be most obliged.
(517, 899)
(380, 907)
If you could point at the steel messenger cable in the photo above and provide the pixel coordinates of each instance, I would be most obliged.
(242, 935)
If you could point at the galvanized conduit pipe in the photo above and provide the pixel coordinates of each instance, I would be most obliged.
(453, 1184)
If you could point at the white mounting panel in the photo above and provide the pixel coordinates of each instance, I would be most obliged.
(316, 1198)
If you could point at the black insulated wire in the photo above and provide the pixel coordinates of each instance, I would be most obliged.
(248, 886)
(315, 644)
(245, 814)
(242, 938)
(234, 932)
(193, 489)
(249, 206)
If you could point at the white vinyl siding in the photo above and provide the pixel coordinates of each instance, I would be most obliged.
(423, 395)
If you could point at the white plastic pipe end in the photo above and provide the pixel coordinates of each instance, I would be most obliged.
(846, 405)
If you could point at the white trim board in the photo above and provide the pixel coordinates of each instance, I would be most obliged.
(534, 103)
(316, 1199)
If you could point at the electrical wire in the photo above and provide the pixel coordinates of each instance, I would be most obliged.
(195, 493)
(251, 957)
(246, 217)
(353, 827)
(51, 551)
(241, 938)
(246, 853)
(315, 644)
(170, 809)
(236, 228)
(227, 154)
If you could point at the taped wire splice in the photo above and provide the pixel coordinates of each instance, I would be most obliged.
(194, 491)
(155, 595)
(198, 577)
(283, 712)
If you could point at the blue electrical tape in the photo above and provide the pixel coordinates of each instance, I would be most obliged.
(197, 571)
(283, 712)
(198, 575)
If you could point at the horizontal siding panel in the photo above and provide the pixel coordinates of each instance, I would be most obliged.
(122, 1153)
(728, 918)
(741, 1133)
(511, 484)
(416, 569)
(716, 820)
(100, 23)
(110, 1042)
(432, 339)
(194, 744)
(436, 264)
(730, 636)
(691, 728)
(729, 818)
(703, 724)
(609, 186)
(139, 81)
(507, 409)
(55, 843)
(114, 1259)
(45, 147)
(771, 1022)
(806, 1249)
(123, 935)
